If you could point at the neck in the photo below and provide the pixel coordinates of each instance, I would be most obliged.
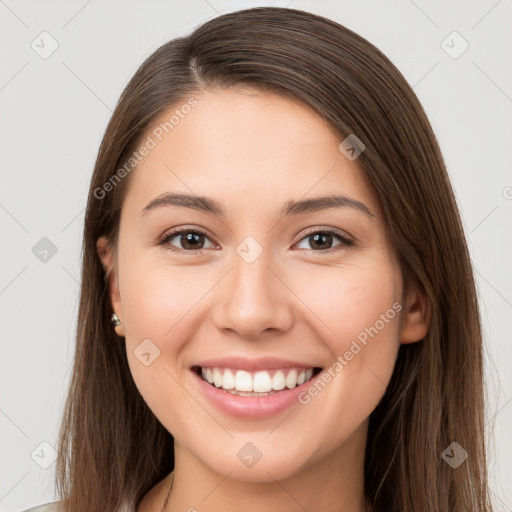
(333, 484)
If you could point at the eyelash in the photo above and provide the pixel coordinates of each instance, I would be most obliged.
(345, 241)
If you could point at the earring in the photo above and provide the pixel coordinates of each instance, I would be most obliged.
(115, 320)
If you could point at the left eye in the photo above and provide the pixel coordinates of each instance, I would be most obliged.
(193, 240)
(319, 238)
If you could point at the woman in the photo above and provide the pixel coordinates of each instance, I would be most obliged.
(277, 295)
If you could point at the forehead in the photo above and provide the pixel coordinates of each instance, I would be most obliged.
(245, 145)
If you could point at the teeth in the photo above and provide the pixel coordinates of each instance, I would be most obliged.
(253, 384)
(217, 377)
(262, 382)
(278, 381)
(291, 379)
(228, 381)
(243, 381)
(250, 393)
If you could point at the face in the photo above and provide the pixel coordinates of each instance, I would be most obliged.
(257, 294)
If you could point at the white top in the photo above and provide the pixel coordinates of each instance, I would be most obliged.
(47, 507)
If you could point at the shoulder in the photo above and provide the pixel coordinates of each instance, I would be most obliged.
(47, 507)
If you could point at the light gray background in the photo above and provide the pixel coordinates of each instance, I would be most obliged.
(54, 112)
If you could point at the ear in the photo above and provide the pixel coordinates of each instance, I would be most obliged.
(416, 316)
(106, 256)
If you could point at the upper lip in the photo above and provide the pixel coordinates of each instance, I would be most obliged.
(251, 365)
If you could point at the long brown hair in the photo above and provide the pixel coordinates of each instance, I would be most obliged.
(112, 449)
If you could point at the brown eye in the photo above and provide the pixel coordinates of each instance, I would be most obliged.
(190, 240)
(322, 241)
(193, 240)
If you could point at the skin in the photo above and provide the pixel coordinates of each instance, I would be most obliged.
(252, 152)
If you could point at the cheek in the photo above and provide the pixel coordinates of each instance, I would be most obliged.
(156, 303)
(352, 298)
(157, 297)
(360, 323)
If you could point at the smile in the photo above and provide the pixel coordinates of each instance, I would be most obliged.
(258, 383)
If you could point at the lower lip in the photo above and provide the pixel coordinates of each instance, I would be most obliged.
(251, 407)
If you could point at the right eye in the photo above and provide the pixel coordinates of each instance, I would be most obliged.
(192, 240)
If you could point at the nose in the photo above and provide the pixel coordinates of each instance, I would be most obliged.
(254, 299)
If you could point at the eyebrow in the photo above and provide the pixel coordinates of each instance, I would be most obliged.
(207, 205)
